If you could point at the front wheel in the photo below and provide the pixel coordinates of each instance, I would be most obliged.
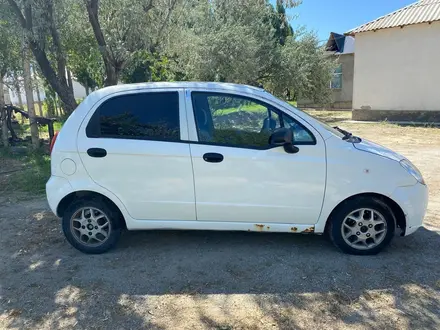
(91, 226)
(362, 226)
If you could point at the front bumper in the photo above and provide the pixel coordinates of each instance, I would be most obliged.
(413, 200)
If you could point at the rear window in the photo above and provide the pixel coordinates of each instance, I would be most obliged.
(145, 116)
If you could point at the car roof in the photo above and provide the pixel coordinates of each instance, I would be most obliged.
(181, 84)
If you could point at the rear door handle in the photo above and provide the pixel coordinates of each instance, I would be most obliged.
(213, 157)
(97, 152)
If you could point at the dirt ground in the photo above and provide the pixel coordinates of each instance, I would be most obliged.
(223, 280)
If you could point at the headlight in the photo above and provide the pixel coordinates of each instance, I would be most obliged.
(414, 171)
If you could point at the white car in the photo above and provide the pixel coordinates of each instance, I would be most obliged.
(216, 156)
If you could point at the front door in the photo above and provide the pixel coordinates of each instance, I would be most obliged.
(240, 177)
(132, 146)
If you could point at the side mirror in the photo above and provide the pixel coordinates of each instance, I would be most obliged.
(283, 137)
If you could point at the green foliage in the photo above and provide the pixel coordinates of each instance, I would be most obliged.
(145, 66)
(247, 41)
(10, 57)
(280, 22)
(83, 55)
(240, 137)
(240, 41)
(32, 178)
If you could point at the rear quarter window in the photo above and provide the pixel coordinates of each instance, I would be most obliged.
(144, 116)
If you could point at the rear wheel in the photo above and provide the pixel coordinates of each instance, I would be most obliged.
(91, 226)
(362, 226)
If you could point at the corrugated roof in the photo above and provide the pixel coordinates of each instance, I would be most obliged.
(422, 11)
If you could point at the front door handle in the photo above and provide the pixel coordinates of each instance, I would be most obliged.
(97, 152)
(213, 157)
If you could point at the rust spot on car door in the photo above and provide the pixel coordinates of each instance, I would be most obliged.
(259, 227)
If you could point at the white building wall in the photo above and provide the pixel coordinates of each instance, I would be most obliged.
(398, 68)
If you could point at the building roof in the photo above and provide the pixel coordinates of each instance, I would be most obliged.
(422, 11)
(340, 44)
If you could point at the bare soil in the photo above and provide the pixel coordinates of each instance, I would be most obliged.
(223, 280)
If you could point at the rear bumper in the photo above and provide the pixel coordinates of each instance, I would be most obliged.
(413, 200)
(56, 189)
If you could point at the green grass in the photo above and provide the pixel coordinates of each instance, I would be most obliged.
(25, 129)
(33, 171)
(56, 127)
(250, 108)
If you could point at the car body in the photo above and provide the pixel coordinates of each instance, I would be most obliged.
(195, 156)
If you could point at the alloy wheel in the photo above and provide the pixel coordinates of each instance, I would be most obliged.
(90, 226)
(364, 229)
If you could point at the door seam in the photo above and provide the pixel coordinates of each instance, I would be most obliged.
(185, 91)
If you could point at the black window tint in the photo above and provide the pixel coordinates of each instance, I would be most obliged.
(138, 116)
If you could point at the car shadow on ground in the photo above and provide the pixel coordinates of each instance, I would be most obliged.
(46, 283)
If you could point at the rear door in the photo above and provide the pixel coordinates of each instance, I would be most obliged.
(131, 144)
(239, 176)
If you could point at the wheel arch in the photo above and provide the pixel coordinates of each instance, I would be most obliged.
(87, 195)
(398, 212)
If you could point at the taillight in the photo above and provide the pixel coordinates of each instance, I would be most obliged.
(52, 142)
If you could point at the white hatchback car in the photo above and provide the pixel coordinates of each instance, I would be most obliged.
(215, 156)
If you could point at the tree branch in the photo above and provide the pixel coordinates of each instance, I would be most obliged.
(92, 7)
(61, 60)
(148, 6)
(18, 12)
(165, 22)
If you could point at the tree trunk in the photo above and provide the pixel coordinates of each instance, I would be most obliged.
(111, 74)
(30, 101)
(57, 82)
(69, 80)
(40, 104)
(61, 89)
(87, 90)
(20, 100)
(50, 108)
(3, 115)
(57, 107)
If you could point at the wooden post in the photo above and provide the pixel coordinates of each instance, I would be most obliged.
(50, 129)
(30, 100)
(40, 104)
(3, 114)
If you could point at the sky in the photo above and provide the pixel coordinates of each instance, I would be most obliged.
(325, 16)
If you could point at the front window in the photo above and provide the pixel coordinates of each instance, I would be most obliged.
(238, 121)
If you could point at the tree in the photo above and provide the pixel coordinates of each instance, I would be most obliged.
(280, 22)
(38, 20)
(248, 41)
(122, 27)
(305, 69)
(225, 41)
(145, 66)
(9, 62)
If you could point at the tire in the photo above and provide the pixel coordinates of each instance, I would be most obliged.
(352, 222)
(79, 226)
